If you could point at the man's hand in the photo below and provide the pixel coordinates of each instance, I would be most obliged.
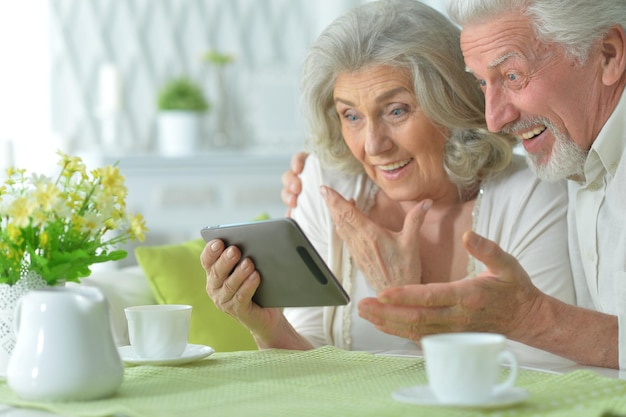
(498, 300)
(292, 186)
(387, 258)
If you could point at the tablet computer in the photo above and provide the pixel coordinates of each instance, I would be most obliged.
(293, 274)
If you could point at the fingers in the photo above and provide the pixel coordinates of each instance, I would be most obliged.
(240, 286)
(497, 261)
(479, 246)
(218, 262)
(297, 162)
(227, 281)
(344, 213)
(289, 200)
(212, 250)
(415, 218)
(409, 321)
(292, 187)
(429, 295)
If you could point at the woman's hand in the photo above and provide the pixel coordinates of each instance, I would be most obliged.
(231, 285)
(386, 258)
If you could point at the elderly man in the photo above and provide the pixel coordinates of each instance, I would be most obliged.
(553, 73)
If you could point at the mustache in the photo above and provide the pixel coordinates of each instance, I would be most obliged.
(527, 124)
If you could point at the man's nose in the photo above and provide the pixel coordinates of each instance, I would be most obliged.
(499, 109)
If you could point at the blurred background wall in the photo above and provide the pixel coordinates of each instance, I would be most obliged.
(74, 70)
(109, 58)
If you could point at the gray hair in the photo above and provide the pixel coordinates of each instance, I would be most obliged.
(574, 24)
(410, 35)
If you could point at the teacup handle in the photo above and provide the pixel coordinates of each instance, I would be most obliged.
(507, 357)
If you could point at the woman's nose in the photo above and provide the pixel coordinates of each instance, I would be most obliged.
(377, 139)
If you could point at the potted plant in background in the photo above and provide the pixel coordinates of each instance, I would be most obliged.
(181, 104)
(53, 230)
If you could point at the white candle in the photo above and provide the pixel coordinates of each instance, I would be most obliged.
(110, 89)
(6, 155)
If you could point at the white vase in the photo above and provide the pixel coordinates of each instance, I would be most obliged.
(9, 294)
(179, 132)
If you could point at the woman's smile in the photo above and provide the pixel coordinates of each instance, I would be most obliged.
(394, 170)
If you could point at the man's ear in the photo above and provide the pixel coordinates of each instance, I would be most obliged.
(614, 55)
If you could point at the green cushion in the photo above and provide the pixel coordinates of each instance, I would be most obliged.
(177, 277)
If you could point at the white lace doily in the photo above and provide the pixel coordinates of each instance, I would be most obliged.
(9, 294)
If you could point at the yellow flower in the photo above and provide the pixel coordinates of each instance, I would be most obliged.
(59, 227)
(91, 222)
(111, 180)
(44, 239)
(46, 195)
(21, 210)
(138, 226)
(15, 234)
(71, 165)
(39, 219)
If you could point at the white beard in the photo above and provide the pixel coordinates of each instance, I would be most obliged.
(567, 160)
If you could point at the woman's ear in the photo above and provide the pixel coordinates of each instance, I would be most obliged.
(614, 55)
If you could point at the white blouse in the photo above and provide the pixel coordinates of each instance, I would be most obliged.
(524, 215)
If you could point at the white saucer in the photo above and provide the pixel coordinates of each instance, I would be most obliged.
(191, 353)
(422, 395)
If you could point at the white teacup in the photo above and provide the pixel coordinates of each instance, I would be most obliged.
(466, 368)
(158, 331)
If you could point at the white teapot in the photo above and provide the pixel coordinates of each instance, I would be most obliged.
(64, 349)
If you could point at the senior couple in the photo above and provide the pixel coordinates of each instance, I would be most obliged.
(413, 196)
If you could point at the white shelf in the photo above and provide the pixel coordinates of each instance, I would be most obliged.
(178, 196)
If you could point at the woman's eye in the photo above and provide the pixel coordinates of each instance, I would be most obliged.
(350, 117)
(398, 110)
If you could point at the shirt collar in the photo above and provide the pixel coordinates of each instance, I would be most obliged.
(611, 141)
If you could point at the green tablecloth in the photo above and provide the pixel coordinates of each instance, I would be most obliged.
(322, 382)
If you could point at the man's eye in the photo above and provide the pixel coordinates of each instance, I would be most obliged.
(482, 83)
(512, 77)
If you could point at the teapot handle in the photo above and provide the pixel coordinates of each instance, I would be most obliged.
(17, 316)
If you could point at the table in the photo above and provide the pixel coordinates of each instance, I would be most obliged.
(322, 382)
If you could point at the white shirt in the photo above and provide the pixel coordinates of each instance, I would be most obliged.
(597, 232)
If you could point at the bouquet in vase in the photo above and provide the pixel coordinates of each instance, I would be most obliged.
(59, 227)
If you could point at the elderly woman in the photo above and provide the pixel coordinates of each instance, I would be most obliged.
(397, 126)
